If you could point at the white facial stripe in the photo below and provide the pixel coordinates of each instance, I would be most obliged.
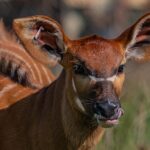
(79, 104)
(74, 87)
(111, 79)
(77, 100)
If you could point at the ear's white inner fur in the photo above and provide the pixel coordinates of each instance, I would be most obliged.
(135, 52)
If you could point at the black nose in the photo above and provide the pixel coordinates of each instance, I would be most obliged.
(106, 108)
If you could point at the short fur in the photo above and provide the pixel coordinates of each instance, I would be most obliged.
(51, 119)
(20, 74)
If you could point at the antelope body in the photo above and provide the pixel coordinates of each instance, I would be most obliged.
(21, 75)
(72, 112)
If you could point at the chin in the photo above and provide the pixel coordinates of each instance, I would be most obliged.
(109, 123)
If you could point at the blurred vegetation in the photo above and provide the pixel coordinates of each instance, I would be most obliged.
(133, 132)
(107, 18)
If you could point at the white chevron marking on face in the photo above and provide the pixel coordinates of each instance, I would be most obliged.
(111, 79)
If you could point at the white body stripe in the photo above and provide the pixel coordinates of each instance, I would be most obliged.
(7, 88)
(17, 56)
(38, 73)
(10, 91)
(46, 74)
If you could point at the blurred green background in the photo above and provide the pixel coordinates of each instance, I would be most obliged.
(107, 18)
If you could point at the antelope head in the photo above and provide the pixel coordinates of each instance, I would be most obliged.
(94, 65)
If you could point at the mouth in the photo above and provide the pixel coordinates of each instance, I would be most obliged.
(109, 122)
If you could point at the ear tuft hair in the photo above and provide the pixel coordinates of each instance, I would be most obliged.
(143, 34)
(136, 39)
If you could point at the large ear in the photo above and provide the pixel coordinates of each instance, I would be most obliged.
(136, 39)
(43, 38)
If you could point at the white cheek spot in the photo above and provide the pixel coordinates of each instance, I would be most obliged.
(73, 85)
(77, 100)
(111, 79)
(79, 104)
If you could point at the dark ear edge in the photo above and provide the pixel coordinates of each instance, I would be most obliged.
(43, 38)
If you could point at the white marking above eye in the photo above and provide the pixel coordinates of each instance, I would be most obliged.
(111, 79)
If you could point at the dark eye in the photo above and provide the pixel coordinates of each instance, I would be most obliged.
(121, 68)
(80, 69)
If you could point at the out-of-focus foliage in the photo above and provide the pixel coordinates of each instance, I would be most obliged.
(107, 18)
(133, 133)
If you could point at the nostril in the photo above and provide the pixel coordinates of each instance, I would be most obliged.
(106, 108)
(113, 105)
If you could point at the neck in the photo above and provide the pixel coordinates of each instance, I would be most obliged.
(53, 120)
(78, 132)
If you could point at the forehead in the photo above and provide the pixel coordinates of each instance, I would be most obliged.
(98, 54)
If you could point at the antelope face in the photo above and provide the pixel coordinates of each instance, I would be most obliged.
(94, 65)
(98, 66)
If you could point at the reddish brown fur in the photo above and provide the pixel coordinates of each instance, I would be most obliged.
(56, 121)
(90, 50)
(36, 76)
(97, 48)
